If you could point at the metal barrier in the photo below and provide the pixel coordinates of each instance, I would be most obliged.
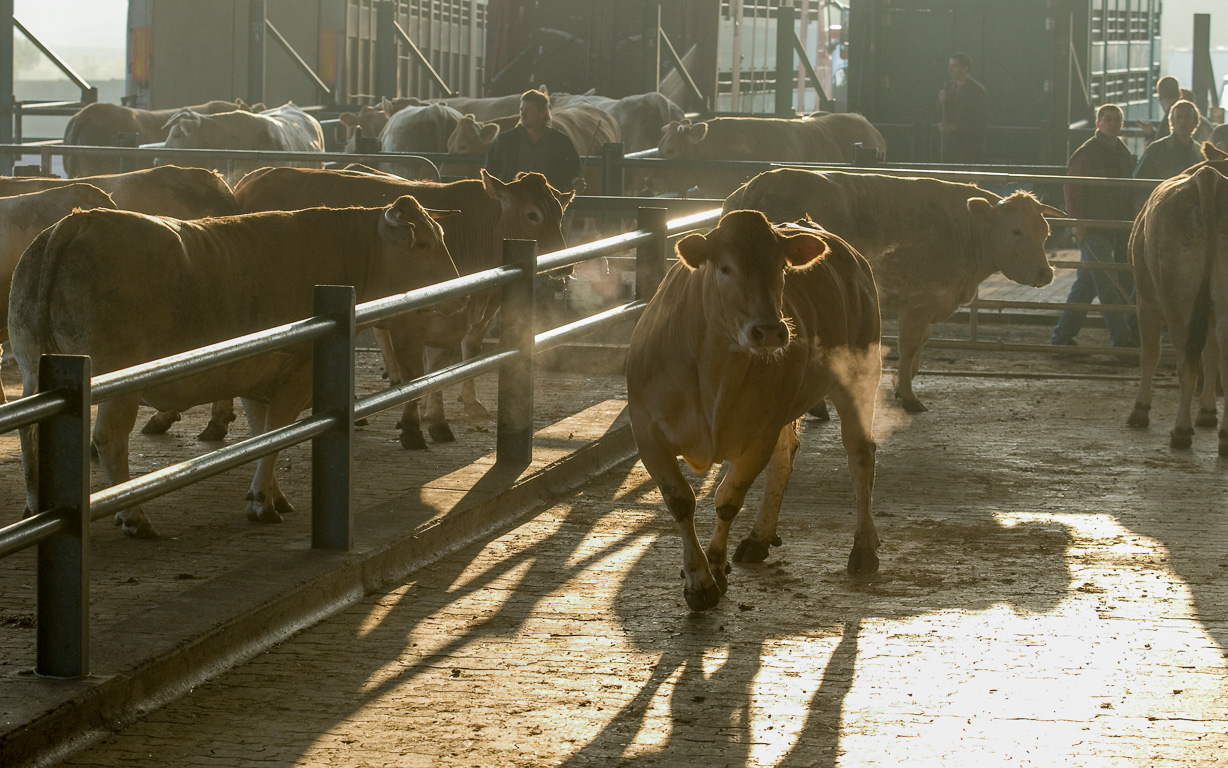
(60, 525)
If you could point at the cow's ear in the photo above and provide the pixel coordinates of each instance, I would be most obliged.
(494, 188)
(438, 214)
(1049, 210)
(348, 119)
(388, 107)
(672, 127)
(564, 198)
(488, 132)
(699, 131)
(693, 250)
(803, 248)
(979, 207)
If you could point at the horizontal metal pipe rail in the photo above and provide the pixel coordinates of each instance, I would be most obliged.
(63, 528)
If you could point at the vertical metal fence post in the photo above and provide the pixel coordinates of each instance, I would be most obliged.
(514, 441)
(63, 461)
(332, 456)
(255, 51)
(612, 169)
(386, 57)
(786, 69)
(650, 256)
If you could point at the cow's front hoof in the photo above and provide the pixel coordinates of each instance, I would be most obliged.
(1140, 416)
(910, 403)
(283, 506)
(440, 432)
(478, 412)
(753, 550)
(862, 560)
(1206, 418)
(160, 422)
(136, 526)
(262, 513)
(213, 432)
(704, 598)
(819, 411)
(1181, 437)
(412, 440)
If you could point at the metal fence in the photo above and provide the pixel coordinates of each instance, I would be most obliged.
(60, 525)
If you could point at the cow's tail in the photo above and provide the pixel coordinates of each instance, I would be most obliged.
(1205, 181)
(47, 251)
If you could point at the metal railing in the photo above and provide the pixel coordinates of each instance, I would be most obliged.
(60, 525)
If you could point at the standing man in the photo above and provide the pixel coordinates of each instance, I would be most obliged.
(1168, 93)
(1171, 155)
(1104, 154)
(533, 145)
(964, 105)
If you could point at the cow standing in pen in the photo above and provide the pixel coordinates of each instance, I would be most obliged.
(753, 326)
(1179, 248)
(930, 242)
(125, 289)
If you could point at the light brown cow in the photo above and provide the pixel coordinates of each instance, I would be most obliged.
(96, 284)
(284, 129)
(167, 190)
(490, 211)
(1179, 248)
(931, 243)
(826, 138)
(752, 327)
(100, 125)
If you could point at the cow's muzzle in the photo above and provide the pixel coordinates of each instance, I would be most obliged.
(765, 335)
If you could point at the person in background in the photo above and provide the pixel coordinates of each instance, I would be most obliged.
(1168, 93)
(1169, 156)
(533, 145)
(1219, 137)
(964, 105)
(1104, 154)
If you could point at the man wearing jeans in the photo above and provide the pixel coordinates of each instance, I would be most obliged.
(1104, 154)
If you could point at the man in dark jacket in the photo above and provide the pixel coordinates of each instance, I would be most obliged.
(1173, 154)
(1105, 155)
(533, 145)
(965, 113)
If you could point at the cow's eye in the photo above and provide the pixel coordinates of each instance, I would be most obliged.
(534, 216)
(1017, 232)
(726, 270)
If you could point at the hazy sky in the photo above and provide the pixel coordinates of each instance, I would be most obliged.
(75, 23)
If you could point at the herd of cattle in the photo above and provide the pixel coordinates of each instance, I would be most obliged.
(762, 318)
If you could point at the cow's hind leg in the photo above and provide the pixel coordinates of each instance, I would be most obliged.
(265, 501)
(436, 419)
(471, 347)
(755, 547)
(1207, 416)
(1150, 326)
(854, 399)
(221, 414)
(160, 422)
(112, 426)
(913, 333)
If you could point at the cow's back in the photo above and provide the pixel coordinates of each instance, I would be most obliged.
(916, 233)
(419, 129)
(846, 130)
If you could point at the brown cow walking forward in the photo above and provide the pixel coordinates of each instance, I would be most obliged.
(1179, 248)
(489, 212)
(125, 288)
(931, 243)
(752, 327)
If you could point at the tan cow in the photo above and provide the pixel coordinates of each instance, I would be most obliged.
(100, 125)
(825, 138)
(283, 129)
(166, 190)
(490, 211)
(931, 242)
(95, 284)
(641, 117)
(1179, 248)
(751, 328)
